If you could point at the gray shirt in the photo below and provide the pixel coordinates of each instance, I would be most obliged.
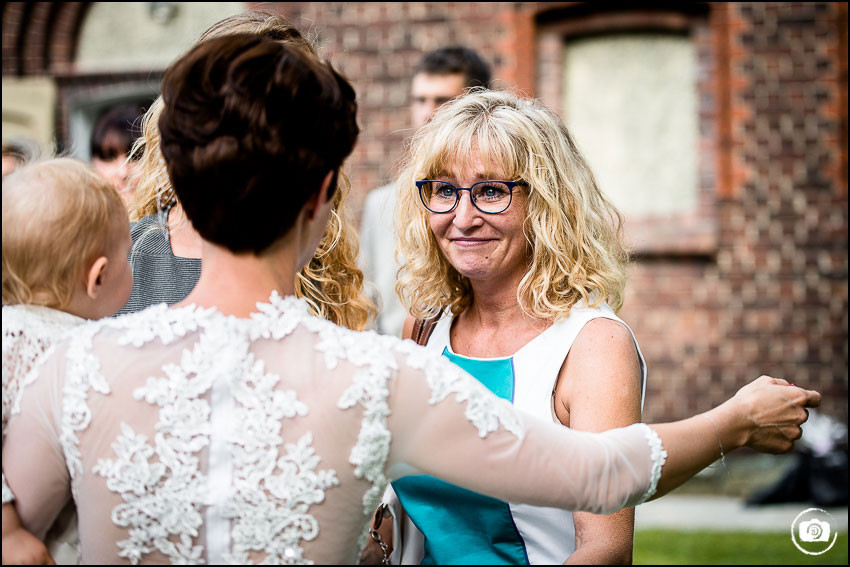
(158, 275)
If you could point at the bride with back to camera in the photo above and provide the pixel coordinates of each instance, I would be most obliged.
(237, 427)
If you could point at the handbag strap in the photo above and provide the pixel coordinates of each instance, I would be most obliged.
(422, 329)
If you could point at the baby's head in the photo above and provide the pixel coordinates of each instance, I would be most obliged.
(66, 238)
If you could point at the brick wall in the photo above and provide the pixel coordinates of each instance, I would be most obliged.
(774, 297)
(40, 37)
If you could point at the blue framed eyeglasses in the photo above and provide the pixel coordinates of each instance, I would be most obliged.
(491, 197)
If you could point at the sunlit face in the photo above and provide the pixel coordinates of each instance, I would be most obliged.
(429, 92)
(117, 170)
(478, 245)
(118, 276)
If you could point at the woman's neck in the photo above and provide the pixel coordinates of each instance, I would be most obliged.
(494, 324)
(235, 283)
(494, 302)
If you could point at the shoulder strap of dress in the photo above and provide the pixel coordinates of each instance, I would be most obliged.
(422, 329)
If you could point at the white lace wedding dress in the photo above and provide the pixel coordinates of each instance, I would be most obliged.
(188, 436)
(29, 331)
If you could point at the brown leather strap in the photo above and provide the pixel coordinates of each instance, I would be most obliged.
(422, 329)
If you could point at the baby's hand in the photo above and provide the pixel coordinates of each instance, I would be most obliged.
(22, 548)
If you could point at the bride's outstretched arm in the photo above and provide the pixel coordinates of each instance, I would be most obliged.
(444, 423)
(764, 415)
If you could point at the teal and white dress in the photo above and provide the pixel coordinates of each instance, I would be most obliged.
(446, 524)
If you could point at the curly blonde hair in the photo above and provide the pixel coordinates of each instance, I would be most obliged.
(331, 283)
(574, 234)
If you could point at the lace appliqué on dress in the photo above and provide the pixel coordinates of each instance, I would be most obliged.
(165, 500)
(658, 456)
(373, 355)
(83, 368)
(29, 331)
(272, 516)
(257, 492)
(485, 411)
(83, 374)
(269, 512)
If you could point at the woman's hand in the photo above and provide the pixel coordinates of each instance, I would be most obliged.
(764, 415)
(22, 548)
(768, 413)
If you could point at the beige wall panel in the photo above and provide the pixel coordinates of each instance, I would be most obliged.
(630, 101)
(123, 36)
(28, 109)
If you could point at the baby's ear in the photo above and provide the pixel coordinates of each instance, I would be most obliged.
(94, 277)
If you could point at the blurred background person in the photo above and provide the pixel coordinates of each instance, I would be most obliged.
(16, 152)
(442, 75)
(112, 138)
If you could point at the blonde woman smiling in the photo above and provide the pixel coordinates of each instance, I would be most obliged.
(507, 235)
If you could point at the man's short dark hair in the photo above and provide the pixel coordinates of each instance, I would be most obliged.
(457, 59)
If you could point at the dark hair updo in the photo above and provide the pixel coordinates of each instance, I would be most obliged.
(250, 127)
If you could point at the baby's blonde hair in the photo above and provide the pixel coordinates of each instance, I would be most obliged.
(574, 234)
(58, 217)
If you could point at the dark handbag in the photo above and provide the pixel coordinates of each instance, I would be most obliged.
(422, 329)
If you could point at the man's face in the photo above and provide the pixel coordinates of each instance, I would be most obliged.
(429, 92)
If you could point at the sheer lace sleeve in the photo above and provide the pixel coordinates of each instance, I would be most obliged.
(28, 332)
(33, 437)
(448, 425)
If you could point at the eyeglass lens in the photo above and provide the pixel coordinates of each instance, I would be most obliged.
(489, 196)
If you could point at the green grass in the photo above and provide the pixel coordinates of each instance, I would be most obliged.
(665, 547)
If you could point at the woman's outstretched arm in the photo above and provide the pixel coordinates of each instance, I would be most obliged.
(764, 415)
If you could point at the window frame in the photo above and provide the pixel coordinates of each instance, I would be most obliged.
(688, 233)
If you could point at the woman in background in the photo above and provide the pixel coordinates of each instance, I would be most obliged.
(112, 138)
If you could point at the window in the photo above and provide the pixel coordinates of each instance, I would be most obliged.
(630, 102)
(635, 90)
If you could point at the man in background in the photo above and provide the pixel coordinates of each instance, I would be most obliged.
(442, 75)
